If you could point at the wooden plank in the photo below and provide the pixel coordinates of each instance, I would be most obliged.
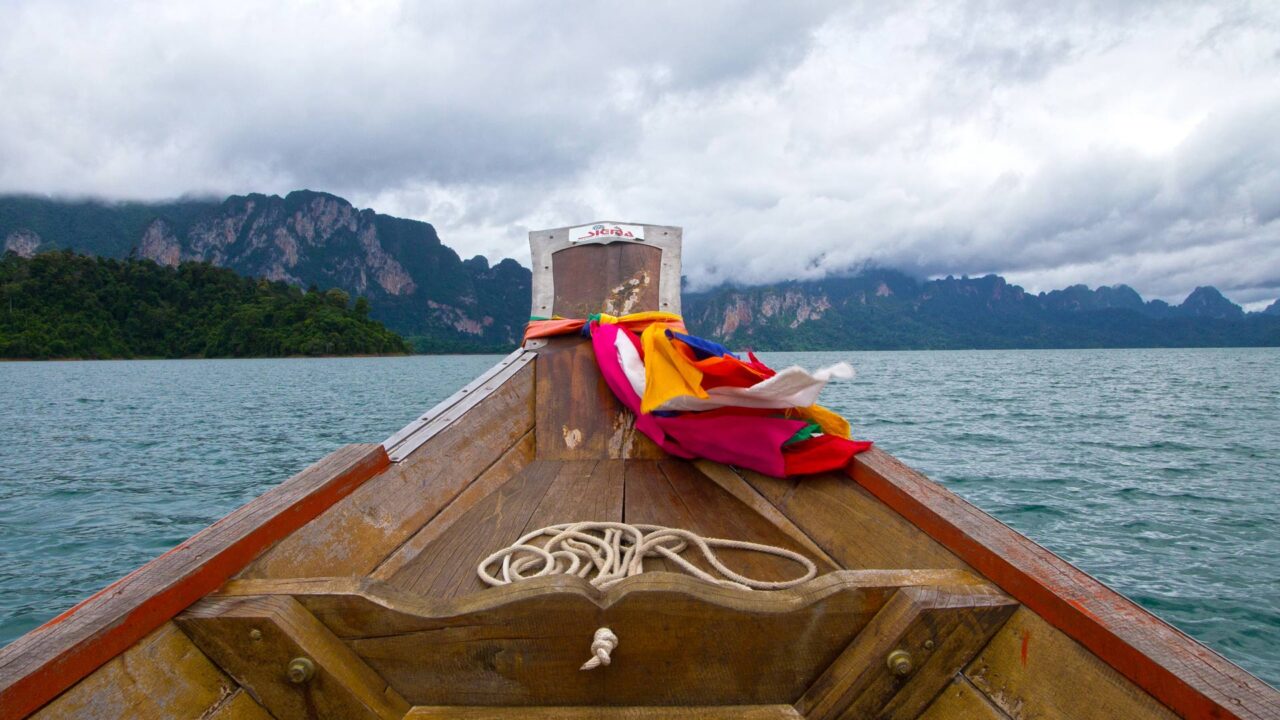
(439, 409)
(617, 278)
(513, 461)
(522, 643)
(649, 499)
(584, 490)
(578, 416)
(962, 701)
(466, 400)
(705, 712)
(855, 528)
(163, 675)
(941, 629)
(446, 567)
(51, 658)
(380, 516)
(1188, 677)
(713, 512)
(239, 706)
(732, 483)
(1032, 670)
(255, 639)
(775, 490)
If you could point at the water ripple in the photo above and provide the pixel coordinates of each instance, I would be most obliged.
(1156, 471)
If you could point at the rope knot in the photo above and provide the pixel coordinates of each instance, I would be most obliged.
(601, 645)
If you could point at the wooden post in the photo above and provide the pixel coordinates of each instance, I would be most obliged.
(610, 267)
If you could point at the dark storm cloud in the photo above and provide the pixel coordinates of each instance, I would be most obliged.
(1061, 143)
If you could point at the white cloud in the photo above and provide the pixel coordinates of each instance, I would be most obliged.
(1053, 143)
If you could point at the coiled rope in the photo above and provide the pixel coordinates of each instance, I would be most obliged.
(607, 552)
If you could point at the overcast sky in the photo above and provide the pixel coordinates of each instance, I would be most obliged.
(1049, 142)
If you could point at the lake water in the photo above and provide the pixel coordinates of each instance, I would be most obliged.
(1156, 471)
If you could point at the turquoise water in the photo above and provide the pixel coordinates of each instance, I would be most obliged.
(1157, 471)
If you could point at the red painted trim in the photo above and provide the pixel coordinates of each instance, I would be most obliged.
(120, 630)
(1107, 623)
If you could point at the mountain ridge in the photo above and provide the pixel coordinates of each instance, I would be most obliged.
(415, 284)
(888, 310)
(423, 289)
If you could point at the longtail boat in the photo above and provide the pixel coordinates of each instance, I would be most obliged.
(351, 590)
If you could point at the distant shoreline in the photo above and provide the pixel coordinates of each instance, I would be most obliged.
(502, 352)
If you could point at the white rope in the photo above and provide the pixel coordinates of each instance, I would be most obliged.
(601, 645)
(607, 552)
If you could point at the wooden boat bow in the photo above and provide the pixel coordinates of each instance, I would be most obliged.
(350, 590)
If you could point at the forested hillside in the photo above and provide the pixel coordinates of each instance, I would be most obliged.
(64, 305)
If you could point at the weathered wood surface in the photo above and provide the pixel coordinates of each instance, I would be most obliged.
(962, 701)
(617, 278)
(850, 525)
(731, 482)
(446, 567)
(356, 535)
(408, 439)
(162, 675)
(682, 641)
(1032, 670)
(495, 476)
(705, 712)
(676, 494)
(941, 628)
(583, 490)
(1188, 677)
(255, 639)
(51, 658)
(578, 415)
(239, 706)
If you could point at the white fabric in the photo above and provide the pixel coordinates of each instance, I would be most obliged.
(792, 387)
(632, 365)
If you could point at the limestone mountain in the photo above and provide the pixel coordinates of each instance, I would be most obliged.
(416, 285)
(420, 288)
(886, 309)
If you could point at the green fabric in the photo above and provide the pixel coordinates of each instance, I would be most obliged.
(804, 433)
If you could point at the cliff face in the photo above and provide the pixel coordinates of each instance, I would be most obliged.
(422, 289)
(415, 284)
(885, 309)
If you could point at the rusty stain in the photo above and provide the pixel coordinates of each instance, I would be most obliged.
(572, 438)
(1026, 640)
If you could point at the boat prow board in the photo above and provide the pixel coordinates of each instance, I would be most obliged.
(351, 591)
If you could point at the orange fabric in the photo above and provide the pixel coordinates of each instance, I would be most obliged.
(829, 421)
(667, 372)
(635, 322)
(723, 371)
(556, 326)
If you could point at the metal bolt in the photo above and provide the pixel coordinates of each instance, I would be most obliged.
(301, 669)
(928, 644)
(255, 635)
(899, 662)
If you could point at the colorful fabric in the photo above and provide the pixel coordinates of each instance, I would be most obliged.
(695, 399)
(703, 348)
(789, 388)
(831, 423)
(540, 327)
